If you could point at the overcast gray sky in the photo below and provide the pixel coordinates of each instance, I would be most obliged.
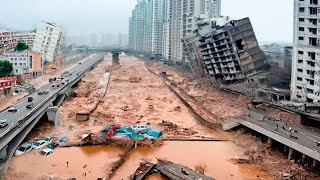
(271, 19)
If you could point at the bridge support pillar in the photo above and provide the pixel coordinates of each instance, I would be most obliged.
(314, 162)
(69, 92)
(269, 142)
(53, 115)
(290, 153)
(3, 153)
(303, 158)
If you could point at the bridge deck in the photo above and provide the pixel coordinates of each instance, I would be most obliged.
(299, 138)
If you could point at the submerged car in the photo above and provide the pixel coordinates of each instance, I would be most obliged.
(12, 109)
(48, 138)
(52, 145)
(46, 152)
(39, 144)
(3, 123)
(63, 140)
(141, 128)
(153, 134)
(25, 147)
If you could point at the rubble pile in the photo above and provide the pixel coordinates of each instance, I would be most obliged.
(134, 79)
(174, 129)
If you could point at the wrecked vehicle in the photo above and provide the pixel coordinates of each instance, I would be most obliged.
(46, 152)
(25, 147)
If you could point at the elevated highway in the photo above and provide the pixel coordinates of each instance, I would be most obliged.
(20, 123)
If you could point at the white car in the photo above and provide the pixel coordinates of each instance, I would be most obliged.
(3, 123)
(141, 128)
(25, 147)
(46, 152)
(39, 144)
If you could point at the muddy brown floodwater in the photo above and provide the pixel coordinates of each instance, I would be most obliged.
(216, 155)
(134, 96)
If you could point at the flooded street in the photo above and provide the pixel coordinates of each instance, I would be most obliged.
(92, 160)
(216, 155)
(134, 96)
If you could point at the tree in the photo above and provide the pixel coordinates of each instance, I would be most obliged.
(21, 46)
(5, 68)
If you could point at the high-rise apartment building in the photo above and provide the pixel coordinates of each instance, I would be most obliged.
(27, 37)
(157, 26)
(305, 79)
(8, 41)
(49, 40)
(215, 8)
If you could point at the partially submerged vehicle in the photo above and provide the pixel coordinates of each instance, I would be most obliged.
(39, 144)
(46, 152)
(25, 147)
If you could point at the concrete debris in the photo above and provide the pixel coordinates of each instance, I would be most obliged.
(174, 129)
(169, 169)
(134, 79)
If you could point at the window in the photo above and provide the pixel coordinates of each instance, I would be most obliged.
(299, 79)
(309, 90)
(16, 70)
(301, 9)
(300, 70)
(312, 55)
(313, 31)
(313, 21)
(299, 87)
(313, 10)
(301, 19)
(15, 63)
(313, 41)
(311, 82)
(11, 59)
(300, 52)
(301, 28)
(301, 38)
(300, 61)
(24, 64)
(20, 64)
(315, 2)
(298, 96)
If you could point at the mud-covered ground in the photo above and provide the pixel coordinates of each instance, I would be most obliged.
(226, 107)
(136, 96)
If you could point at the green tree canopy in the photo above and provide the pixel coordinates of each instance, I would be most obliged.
(21, 46)
(5, 68)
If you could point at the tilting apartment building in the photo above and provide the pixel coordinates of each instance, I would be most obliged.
(8, 41)
(221, 50)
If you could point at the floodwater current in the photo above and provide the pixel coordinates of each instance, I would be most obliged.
(95, 160)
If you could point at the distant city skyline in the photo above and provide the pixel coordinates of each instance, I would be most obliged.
(270, 20)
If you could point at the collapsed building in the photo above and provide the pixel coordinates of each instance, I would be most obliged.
(224, 51)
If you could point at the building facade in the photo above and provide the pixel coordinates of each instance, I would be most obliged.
(8, 41)
(49, 41)
(224, 53)
(305, 78)
(25, 62)
(157, 26)
(27, 37)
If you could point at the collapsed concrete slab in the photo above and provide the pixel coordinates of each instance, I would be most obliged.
(224, 52)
